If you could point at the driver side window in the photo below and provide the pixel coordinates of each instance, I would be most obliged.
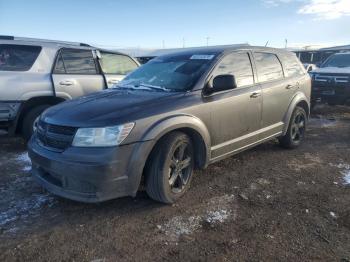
(239, 65)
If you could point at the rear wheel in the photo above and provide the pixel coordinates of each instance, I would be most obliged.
(296, 129)
(30, 121)
(170, 168)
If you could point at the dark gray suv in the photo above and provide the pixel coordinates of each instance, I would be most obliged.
(176, 113)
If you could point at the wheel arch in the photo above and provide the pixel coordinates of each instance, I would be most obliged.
(298, 100)
(32, 103)
(190, 125)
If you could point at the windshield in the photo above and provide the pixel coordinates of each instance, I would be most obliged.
(169, 73)
(342, 60)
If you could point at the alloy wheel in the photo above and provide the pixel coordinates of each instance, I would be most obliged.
(298, 127)
(180, 168)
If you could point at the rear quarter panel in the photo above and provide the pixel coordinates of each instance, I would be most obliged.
(22, 85)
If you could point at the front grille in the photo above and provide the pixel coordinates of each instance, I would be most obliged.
(55, 137)
(332, 78)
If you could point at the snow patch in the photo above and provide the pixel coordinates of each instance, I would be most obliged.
(345, 171)
(323, 122)
(178, 226)
(333, 214)
(216, 210)
(217, 216)
(346, 174)
(25, 161)
(25, 207)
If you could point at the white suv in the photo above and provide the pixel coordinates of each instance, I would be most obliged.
(36, 74)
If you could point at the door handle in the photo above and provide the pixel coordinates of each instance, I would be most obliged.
(255, 94)
(289, 86)
(66, 83)
(113, 81)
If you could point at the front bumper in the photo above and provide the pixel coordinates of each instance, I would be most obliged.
(9, 110)
(330, 92)
(8, 114)
(89, 174)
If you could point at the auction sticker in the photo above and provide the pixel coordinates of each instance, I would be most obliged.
(202, 57)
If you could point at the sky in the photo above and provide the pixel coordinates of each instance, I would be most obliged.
(178, 23)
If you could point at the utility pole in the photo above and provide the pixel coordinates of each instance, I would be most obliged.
(208, 40)
(163, 44)
(286, 41)
(183, 42)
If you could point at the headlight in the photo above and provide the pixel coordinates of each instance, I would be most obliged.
(102, 136)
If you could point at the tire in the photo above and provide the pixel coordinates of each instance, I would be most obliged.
(296, 129)
(29, 119)
(168, 173)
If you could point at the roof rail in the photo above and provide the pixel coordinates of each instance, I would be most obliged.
(6, 37)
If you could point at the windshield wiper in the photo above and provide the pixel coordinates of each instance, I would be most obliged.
(132, 87)
(154, 87)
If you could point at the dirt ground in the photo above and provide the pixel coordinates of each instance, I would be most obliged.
(266, 204)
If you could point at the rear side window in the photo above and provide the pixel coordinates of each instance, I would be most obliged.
(292, 66)
(239, 65)
(117, 64)
(268, 66)
(75, 61)
(18, 57)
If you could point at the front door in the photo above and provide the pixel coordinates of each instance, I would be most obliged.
(235, 114)
(115, 67)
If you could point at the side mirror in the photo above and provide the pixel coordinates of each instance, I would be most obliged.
(223, 82)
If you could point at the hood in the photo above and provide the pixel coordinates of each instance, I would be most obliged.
(332, 70)
(108, 107)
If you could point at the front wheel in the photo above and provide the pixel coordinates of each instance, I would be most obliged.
(170, 168)
(296, 129)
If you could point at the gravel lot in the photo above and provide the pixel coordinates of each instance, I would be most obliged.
(265, 204)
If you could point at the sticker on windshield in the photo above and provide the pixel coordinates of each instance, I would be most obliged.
(202, 57)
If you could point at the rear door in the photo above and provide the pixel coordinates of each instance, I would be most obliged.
(76, 73)
(115, 66)
(277, 91)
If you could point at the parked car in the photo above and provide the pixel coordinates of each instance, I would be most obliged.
(36, 74)
(331, 82)
(176, 113)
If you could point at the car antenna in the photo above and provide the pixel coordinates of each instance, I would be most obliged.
(266, 43)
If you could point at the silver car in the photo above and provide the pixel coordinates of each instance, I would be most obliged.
(36, 74)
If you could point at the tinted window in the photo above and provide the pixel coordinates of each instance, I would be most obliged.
(239, 65)
(18, 57)
(117, 64)
(268, 66)
(292, 66)
(339, 60)
(59, 67)
(77, 62)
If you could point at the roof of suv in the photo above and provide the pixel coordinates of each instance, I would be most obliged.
(42, 41)
(224, 49)
(51, 43)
